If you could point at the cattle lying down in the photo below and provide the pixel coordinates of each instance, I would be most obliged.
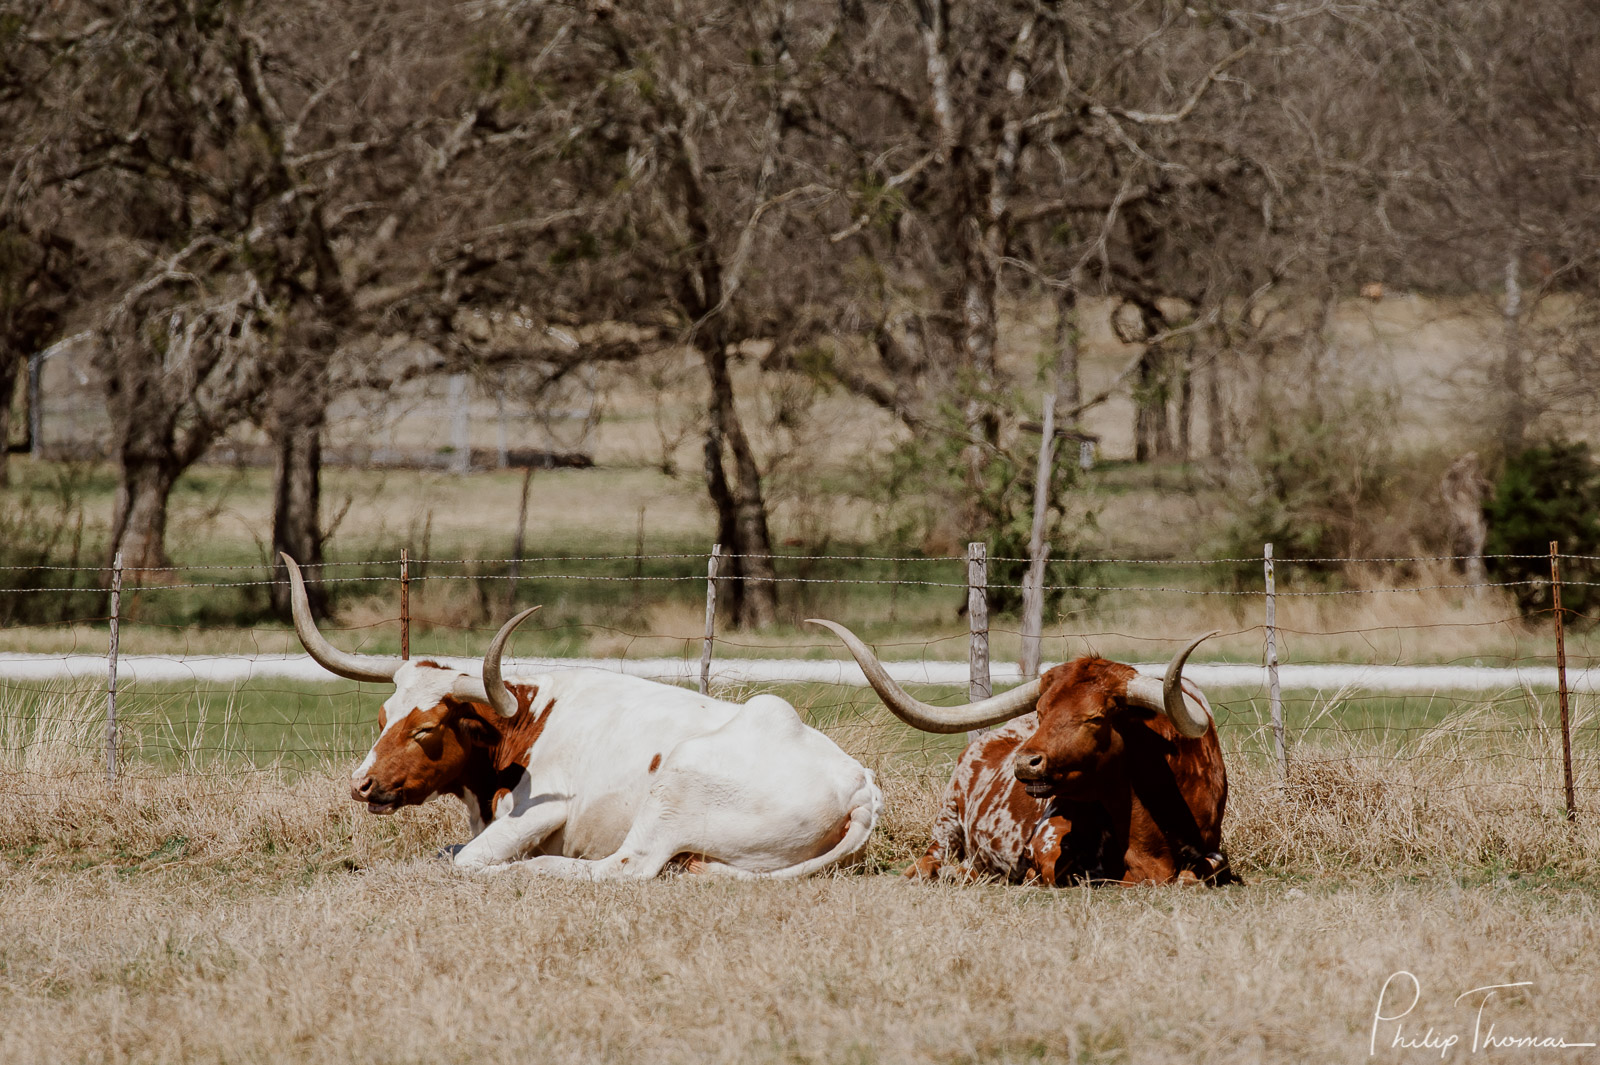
(595, 775)
(1100, 774)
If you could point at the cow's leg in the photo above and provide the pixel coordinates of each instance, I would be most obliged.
(507, 837)
(1069, 846)
(662, 831)
(949, 839)
(628, 863)
(1041, 857)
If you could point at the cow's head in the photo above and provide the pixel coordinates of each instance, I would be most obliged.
(1077, 705)
(1082, 709)
(429, 741)
(439, 728)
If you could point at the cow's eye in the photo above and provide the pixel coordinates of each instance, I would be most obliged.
(424, 732)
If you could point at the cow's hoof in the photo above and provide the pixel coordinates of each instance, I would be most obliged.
(448, 854)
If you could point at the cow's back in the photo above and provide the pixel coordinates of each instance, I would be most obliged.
(612, 738)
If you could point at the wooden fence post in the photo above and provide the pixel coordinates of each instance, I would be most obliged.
(405, 604)
(111, 671)
(1274, 693)
(978, 685)
(711, 618)
(1561, 678)
(1038, 550)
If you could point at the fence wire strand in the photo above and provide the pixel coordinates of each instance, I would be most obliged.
(1405, 740)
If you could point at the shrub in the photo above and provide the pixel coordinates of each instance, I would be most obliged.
(926, 496)
(1318, 478)
(1547, 492)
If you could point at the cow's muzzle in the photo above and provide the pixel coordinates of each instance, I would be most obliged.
(378, 800)
(1029, 769)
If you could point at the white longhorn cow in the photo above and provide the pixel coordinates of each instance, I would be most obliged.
(595, 775)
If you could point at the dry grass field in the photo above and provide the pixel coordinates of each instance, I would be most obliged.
(217, 909)
(230, 914)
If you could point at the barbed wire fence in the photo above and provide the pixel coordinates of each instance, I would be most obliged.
(273, 713)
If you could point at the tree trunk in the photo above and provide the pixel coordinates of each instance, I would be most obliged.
(1068, 382)
(1160, 409)
(297, 497)
(730, 590)
(139, 523)
(9, 365)
(1464, 490)
(1216, 439)
(1514, 410)
(1145, 439)
(979, 329)
(1186, 403)
(741, 509)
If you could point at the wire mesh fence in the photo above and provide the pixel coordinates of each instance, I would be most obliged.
(1394, 673)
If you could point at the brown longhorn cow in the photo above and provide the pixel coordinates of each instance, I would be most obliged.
(1098, 774)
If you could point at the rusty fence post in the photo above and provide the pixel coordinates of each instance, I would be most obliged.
(711, 618)
(1274, 692)
(1561, 681)
(111, 671)
(978, 683)
(405, 604)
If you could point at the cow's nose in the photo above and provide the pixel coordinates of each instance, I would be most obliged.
(1028, 765)
(362, 791)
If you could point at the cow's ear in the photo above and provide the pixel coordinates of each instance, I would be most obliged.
(473, 729)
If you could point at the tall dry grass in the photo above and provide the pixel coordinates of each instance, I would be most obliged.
(1477, 790)
(56, 804)
(223, 914)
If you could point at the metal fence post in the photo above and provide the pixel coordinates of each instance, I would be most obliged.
(1274, 693)
(111, 671)
(405, 604)
(978, 685)
(1038, 550)
(1561, 678)
(711, 618)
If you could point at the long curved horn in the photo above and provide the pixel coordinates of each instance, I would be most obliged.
(1003, 707)
(372, 669)
(495, 691)
(1166, 696)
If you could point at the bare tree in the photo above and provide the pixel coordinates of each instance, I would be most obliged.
(675, 208)
(252, 188)
(182, 362)
(1004, 149)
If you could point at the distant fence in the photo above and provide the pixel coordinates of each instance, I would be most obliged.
(267, 709)
(421, 417)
